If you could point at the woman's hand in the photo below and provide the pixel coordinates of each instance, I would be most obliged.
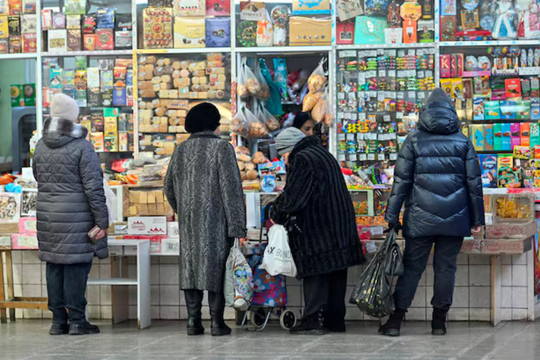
(476, 229)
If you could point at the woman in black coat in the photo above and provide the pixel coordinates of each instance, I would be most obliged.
(438, 177)
(323, 236)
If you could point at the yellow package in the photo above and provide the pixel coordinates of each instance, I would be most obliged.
(189, 32)
(457, 88)
(446, 85)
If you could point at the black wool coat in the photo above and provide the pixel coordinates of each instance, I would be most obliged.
(325, 237)
(71, 199)
(438, 177)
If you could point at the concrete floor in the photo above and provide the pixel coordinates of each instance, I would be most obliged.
(28, 339)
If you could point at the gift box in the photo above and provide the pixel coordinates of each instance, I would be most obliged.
(218, 32)
(74, 40)
(307, 31)
(189, 8)
(104, 39)
(369, 30)
(157, 31)
(24, 242)
(311, 7)
(151, 225)
(393, 36)
(57, 41)
(345, 33)
(189, 32)
(218, 7)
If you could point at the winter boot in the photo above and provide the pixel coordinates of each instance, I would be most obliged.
(311, 325)
(216, 301)
(83, 329)
(393, 325)
(59, 329)
(438, 326)
(194, 304)
(332, 324)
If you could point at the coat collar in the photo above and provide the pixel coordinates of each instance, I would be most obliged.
(303, 144)
(64, 127)
(204, 135)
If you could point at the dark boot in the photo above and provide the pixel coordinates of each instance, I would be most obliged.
(83, 329)
(194, 304)
(216, 301)
(311, 325)
(393, 325)
(59, 329)
(438, 326)
(332, 324)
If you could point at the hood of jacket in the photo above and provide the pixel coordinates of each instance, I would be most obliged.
(438, 117)
(58, 132)
(303, 144)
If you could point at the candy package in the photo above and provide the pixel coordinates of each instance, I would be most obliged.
(246, 33)
(218, 32)
(376, 7)
(265, 32)
(218, 7)
(105, 18)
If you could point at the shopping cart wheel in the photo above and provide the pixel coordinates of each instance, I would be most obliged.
(287, 320)
(257, 317)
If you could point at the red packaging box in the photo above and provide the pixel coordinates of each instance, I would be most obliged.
(513, 88)
(29, 43)
(104, 39)
(445, 66)
(89, 42)
(525, 134)
(459, 65)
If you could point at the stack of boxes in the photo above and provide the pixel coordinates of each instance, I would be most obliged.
(18, 26)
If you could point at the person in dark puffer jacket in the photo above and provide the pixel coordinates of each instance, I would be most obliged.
(437, 176)
(323, 237)
(71, 201)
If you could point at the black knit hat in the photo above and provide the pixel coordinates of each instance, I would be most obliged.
(438, 95)
(202, 117)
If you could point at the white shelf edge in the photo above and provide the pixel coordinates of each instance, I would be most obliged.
(88, 53)
(18, 56)
(182, 51)
(385, 46)
(283, 49)
(488, 43)
(113, 281)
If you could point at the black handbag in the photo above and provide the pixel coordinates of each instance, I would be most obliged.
(394, 258)
(373, 293)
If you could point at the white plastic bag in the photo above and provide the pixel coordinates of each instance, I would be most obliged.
(111, 201)
(277, 255)
(238, 286)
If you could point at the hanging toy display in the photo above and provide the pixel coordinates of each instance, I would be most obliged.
(504, 28)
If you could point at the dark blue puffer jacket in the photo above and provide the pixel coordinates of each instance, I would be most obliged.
(437, 176)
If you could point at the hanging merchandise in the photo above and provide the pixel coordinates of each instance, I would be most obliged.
(311, 99)
(239, 124)
(255, 128)
(274, 102)
(319, 111)
(317, 79)
(266, 118)
(349, 9)
(280, 77)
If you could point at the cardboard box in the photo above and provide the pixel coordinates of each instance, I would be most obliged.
(28, 226)
(511, 231)
(5, 241)
(172, 230)
(170, 246)
(157, 28)
(24, 242)
(311, 7)
(151, 225)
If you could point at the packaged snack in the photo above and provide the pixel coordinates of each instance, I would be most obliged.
(280, 77)
(515, 135)
(218, 7)
(478, 112)
(29, 6)
(89, 23)
(59, 21)
(513, 88)
(497, 137)
(256, 129)
(265, 33)
(74, 41)
(124, 22)
(492, 110)
(319, 111)
(14, 24)
(75, 7)
(488, 165)
(29, 24)
(506, 137)
(158, 28)
(240, 124)
(73, 22)
(189, 7)
(525, 134)
(376, 7)
(310, 100)
(104, 39)
(189, 32)
(105, 18)
(507, 176)
(349, 9)
(488, 136)
(57, 41)
(89, 42)
(218, 32)
(522, 152)
(246, 34)
(268, 119)
(477, 137)
(15, 7)
(317, 79)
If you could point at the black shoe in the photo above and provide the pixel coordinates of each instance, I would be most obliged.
(195, 326)
(216, 303)
(59, 329)
(311, 325)
(83, 329)
(438, 323)
(393, 325)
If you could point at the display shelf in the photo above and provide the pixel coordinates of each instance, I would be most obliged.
(283, 49)
(488, 43)
(18, 56)
(385, 46)
(182, 51)
(88, 53)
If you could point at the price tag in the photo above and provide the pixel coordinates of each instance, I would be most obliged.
(382, 73)
(387, 118)
(371, 74)
(380, 96)
(346, 88)
(353, 157)
(341, 137)
(361, 78)
(340, 115)
(421, 95)
(420, 74)
(399, 115)
(362, 157)
(411, 52)
(411, 94)
(393, 156)
(371, 157)
(401, 53)
(350, 137)
(429, 73)
(401, 95)
(392, 73)
(347, 53)
(341, 157)
(341, 96)
(380, 157)
(362, 116)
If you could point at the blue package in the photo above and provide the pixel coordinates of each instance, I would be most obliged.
(488, 164)
(506, 135)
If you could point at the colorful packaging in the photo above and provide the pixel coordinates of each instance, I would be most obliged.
(492, 110)
(513, 88)
(119, 96)
(218, 7)
(534, 134)
(311, 7)
(488, 135)
(105, 18)
(89, 42)
(508, 110)
(57, 41)
(75, 7)
(14, 24)
(445, 66)
(369, 30)
(497, 137)
(506, 137)
(477, 137)
(74, 40)
(59, 21)
(89, 23)
(448, 28)
(157, 28)
(73, 22)
(515, 135)
(409, 31)
(457, 88)
(123, 40)
(123, 141)
(15, 7)
(525, 134)
(535, 109)
(97, 140)
(104, 39)
(505, 174)
(478, 112)
(218, 32)
(111, 126)
(189, 7)
(189, 32)
(29, 43)
(4, 27)
(522, 152)
(488, 165)
(523, 110)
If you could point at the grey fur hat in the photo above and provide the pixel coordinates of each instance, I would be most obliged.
(64, 107)
(287, 140)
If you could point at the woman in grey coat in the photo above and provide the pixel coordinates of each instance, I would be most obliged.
(204, 187)
(70, 202)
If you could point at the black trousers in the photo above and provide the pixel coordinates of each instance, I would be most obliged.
(444, 266)
(66, 288)
(194, 298)
(326, 292)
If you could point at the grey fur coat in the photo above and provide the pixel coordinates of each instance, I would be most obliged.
(204, 188)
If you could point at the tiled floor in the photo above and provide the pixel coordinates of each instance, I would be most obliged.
(28, 339)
